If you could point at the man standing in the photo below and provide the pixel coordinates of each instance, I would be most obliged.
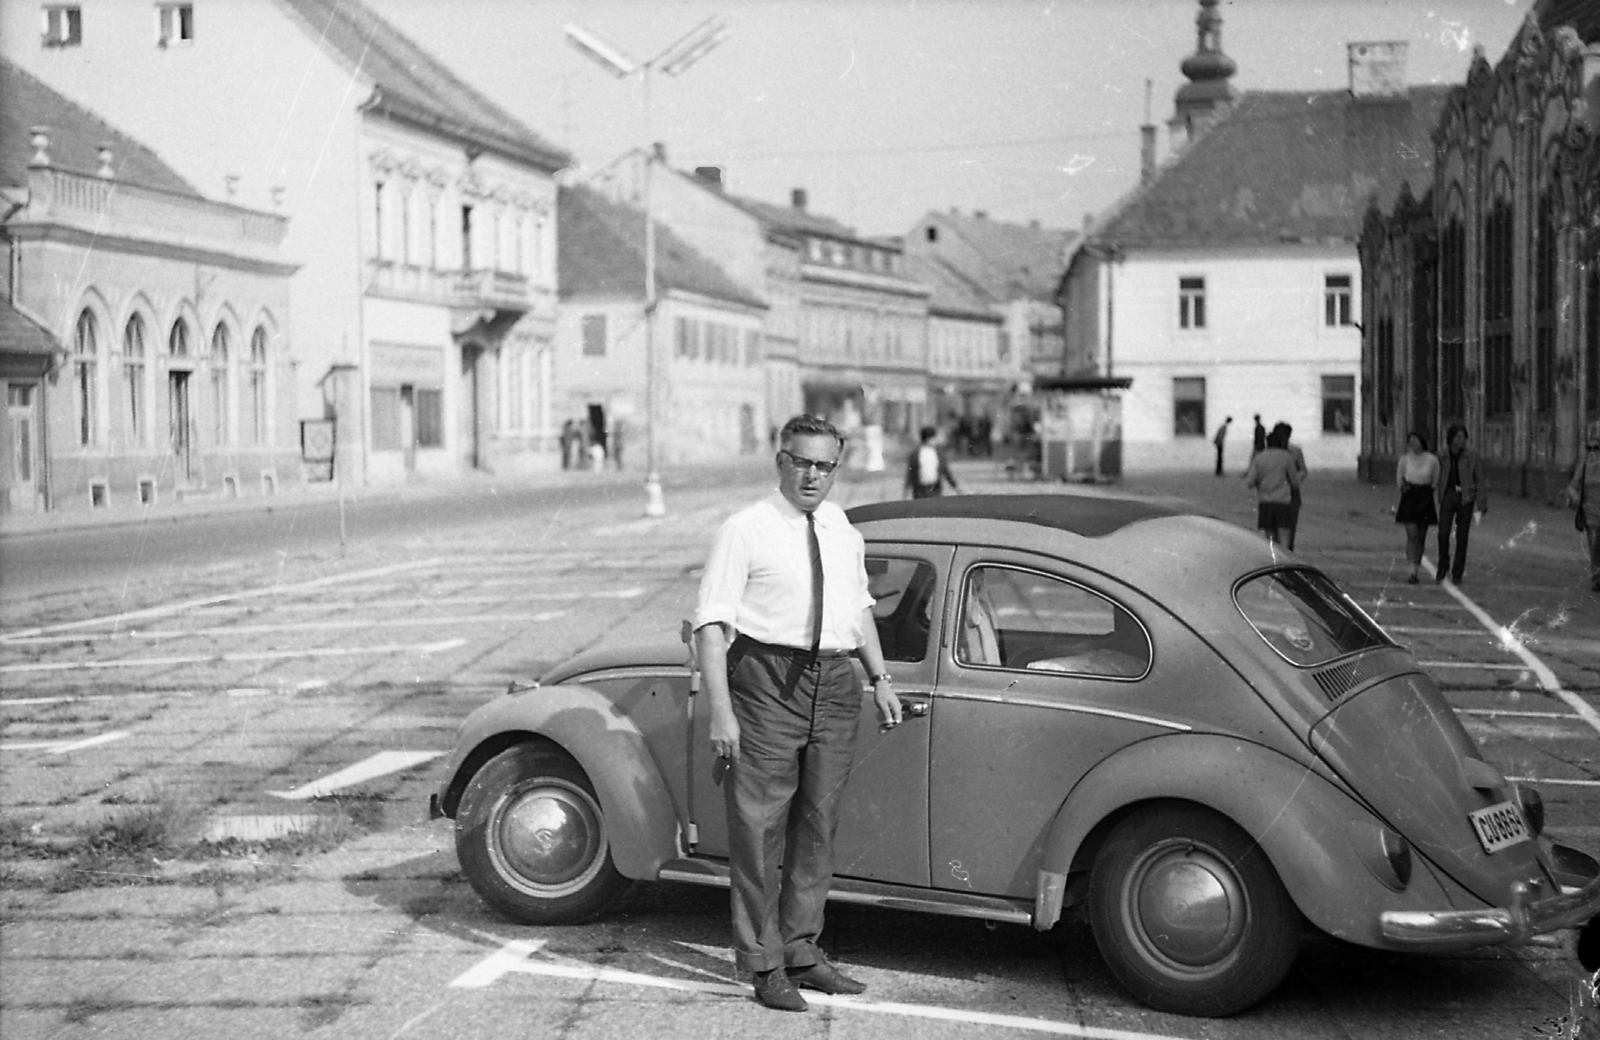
(1222, 436)
(1461, 493)
(1258, 440)
(783, 607)
(927, 471)
(1285, 431)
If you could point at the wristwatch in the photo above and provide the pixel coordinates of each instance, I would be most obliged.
(880, 677)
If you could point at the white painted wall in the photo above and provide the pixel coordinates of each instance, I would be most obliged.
(1264, 349)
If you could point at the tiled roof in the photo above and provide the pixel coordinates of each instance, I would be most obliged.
(602, 251)
(793, 221)
(20, 334)
(415, 86)
(76, 135)
(953, 292)
(1019, 260)
(1285, 166)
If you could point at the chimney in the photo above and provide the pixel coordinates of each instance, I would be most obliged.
(660, 149)
(1147, 139)
(980, 214)
(797, 199)
(710, 175)
(1378, 70)
(107, 170)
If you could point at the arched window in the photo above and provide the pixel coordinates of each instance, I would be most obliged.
(85, 376)
(133, 374)
(258, 386)
(221, 428)
(1452, 310)
(178, 339)
(1497, 253)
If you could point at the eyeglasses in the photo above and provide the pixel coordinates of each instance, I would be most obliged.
(800, 462)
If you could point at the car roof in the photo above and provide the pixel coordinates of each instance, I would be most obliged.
(1088, 516)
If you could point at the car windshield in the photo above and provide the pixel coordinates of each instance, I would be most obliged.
(1303, 616)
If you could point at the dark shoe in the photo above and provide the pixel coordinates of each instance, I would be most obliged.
(775, 991)
(825, 978)
(1411, 580)
(1441, 578)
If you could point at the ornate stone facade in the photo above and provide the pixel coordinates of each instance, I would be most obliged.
(1482, 297)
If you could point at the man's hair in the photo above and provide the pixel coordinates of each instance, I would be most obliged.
(1284, 429)
(1455, 428)
(928, 433)
(1277, 438)
(809, 426)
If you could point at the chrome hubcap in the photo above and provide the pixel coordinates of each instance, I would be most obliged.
(547, 838)
(1187, 905)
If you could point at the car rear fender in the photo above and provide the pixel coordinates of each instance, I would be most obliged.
(1309, 827)
(640, 819)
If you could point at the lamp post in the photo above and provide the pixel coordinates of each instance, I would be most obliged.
(689, 48)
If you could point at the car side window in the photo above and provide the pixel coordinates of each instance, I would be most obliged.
(1019, 619)
(902, 591)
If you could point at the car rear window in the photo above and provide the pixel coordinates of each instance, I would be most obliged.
(1305, 618)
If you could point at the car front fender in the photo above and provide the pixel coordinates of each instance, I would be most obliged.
(641, 823)
(1312, 830)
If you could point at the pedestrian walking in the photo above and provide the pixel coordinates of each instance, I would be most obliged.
(569, 440)
(1273, 475)
(927, 470)
(1584, 493)
(1299, 458)
(1462, 493)
(615, 441)
(1415, 474)
(783, 607)
(1219, 439)
(1258, 440)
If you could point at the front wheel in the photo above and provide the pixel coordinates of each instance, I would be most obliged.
(531, 838)
(1189, 914)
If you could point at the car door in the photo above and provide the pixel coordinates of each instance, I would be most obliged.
(1040, 679)
(883, 827)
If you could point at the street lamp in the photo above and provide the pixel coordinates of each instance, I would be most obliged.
(689, 48)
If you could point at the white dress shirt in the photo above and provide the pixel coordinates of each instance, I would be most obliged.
(758, 579)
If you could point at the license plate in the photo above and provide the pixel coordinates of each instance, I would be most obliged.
(1499, 826)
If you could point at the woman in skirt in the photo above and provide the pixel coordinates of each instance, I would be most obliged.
(1415, 474)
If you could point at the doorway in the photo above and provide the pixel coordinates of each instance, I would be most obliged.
(181, 417)
(22, 464)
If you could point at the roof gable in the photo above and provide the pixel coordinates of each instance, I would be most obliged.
(601, 243)
(1016, 260)
(76, 135)
(413, 85)
(1285, 166)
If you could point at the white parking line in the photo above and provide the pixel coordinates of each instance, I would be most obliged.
(168, 609)
(1509, 641)
(515, 956)
(1547, 780)
(1494, 712)
(296, 626)
(262, 655)
(380, 764)
(64, 747)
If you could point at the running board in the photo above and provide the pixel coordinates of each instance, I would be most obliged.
(873, 893)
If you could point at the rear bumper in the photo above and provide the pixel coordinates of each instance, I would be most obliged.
(1460, 929)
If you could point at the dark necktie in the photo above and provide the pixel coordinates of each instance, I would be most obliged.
(816, 583)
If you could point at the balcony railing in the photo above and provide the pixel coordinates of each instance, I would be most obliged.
(497, 290)
(477, 290)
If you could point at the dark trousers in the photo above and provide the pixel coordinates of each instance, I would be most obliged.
(1591, 538)
(797, 729)
(1294, 518)
(1219, 460)
(1454, 512)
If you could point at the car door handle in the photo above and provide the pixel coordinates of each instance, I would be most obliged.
(917, 708)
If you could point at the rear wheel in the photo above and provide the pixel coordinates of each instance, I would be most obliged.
(531, 838)
(1189, 914)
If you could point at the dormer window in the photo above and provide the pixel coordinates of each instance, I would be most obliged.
(63, 25)
(174, 25)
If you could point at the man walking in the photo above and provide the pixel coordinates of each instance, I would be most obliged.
(1284, 431)
(927, 470)
(783, 607)
(1461, 493)
(1222, 436)
(1258, 440)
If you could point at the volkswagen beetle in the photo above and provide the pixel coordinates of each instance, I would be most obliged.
(1156, 717)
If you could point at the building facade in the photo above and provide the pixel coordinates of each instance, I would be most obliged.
(972, 372)
(1227, 283)
(710, 383)
(421, 217)
(174, 376)
(1484, 291)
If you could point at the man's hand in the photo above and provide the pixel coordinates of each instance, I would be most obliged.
(888, 704)
(725, 735)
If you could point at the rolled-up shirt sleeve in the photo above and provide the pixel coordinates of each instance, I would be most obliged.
(727, 570)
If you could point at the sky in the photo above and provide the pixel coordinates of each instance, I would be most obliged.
(886, 109)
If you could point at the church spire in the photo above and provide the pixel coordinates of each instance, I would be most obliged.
(1208, 92)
